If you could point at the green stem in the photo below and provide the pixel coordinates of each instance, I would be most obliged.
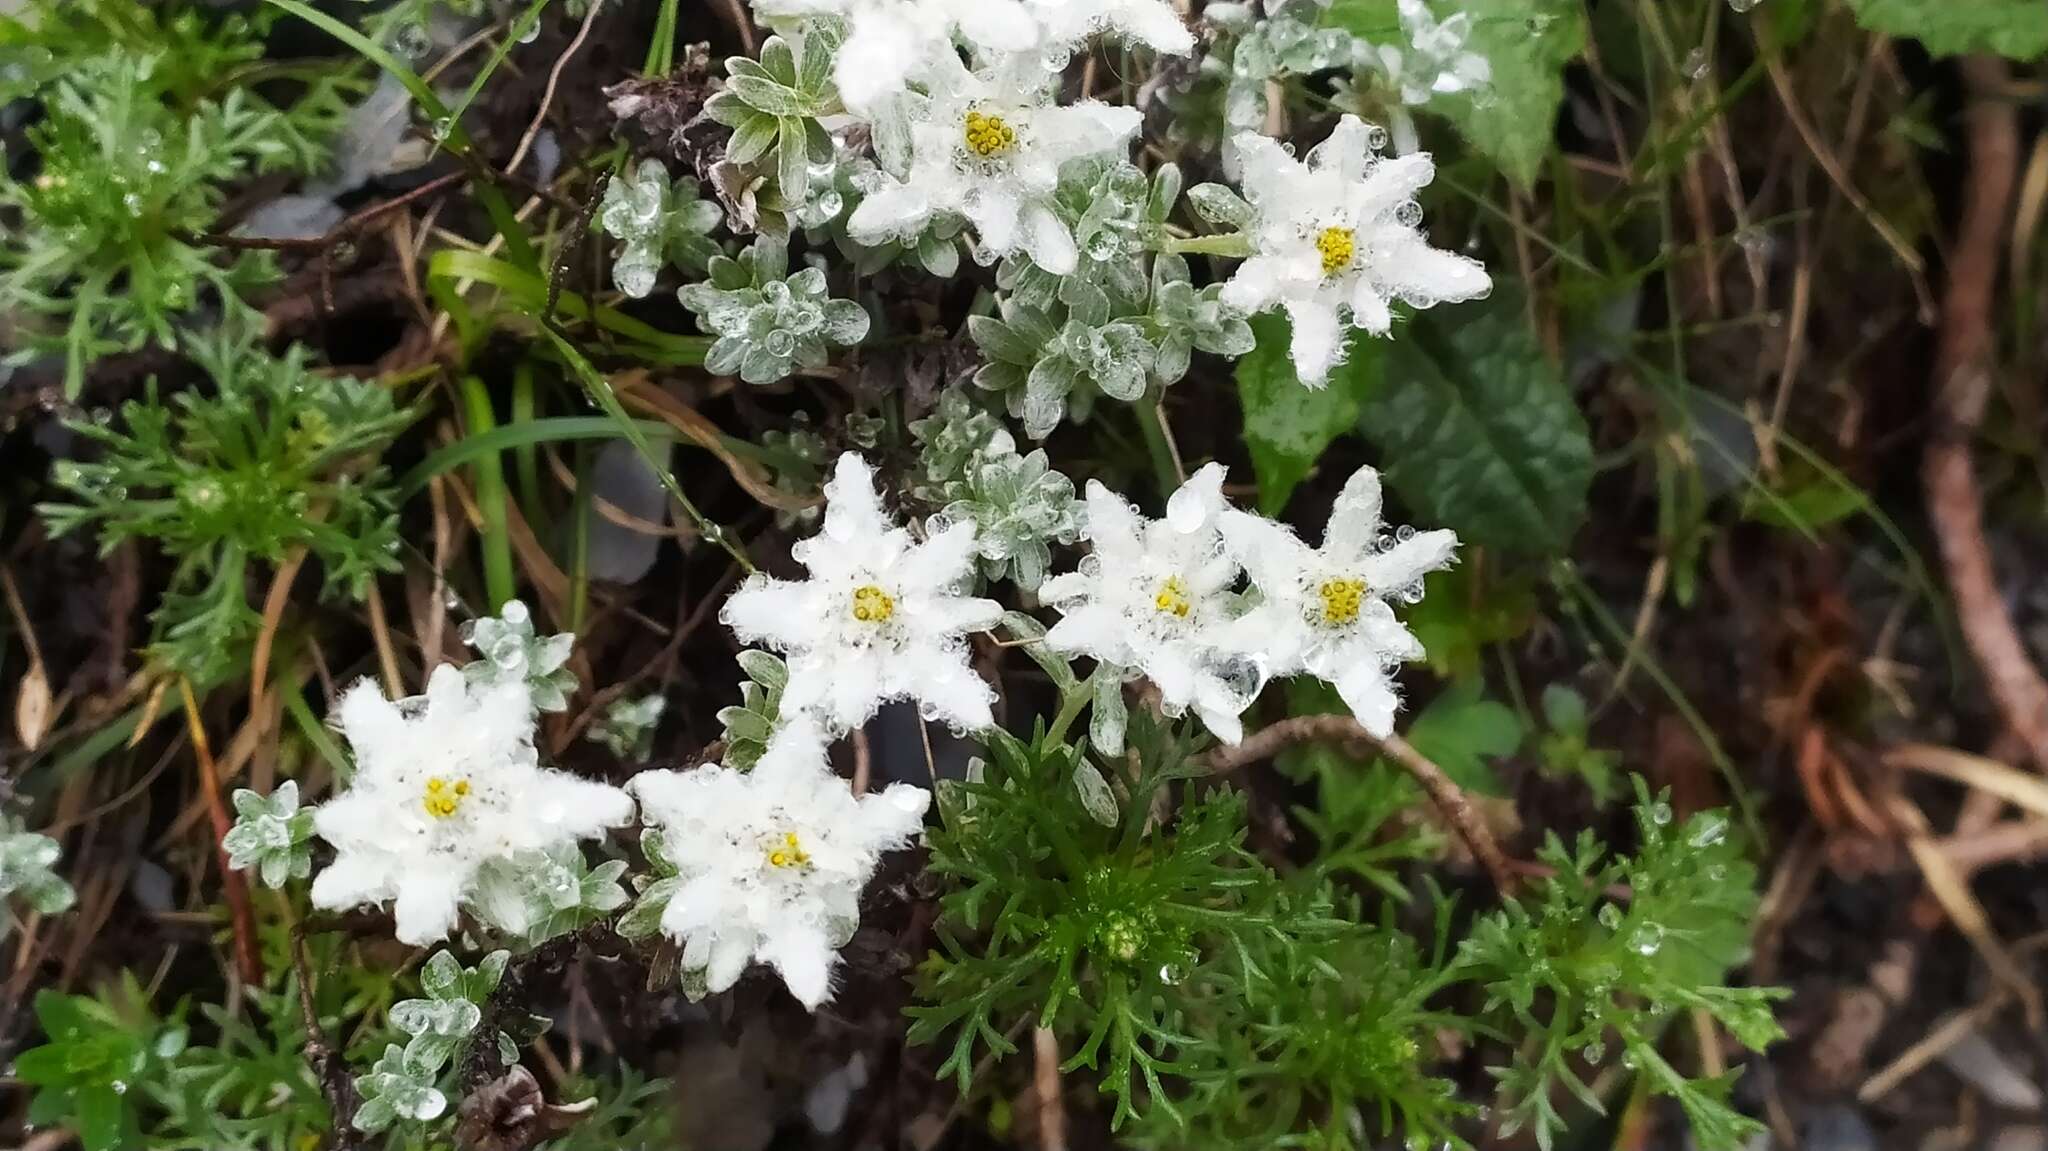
(1070, 707)
(526, 457)
(661, 49)
(1152, 425)
(1233, 244)
(490, 500)
(579, 572)
(600, 390)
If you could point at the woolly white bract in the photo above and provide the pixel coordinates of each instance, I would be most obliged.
(1324, 610)
(890, 42)
(1153, 596)
(987, 145)
(772, 861)
(881, 617)
(1152, 23)
(446, 782)
(1335, 241)
(1435, 63)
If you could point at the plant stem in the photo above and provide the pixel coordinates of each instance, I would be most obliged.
(1070, 707)
(1231, 244)
(526, 457)
(661, 50)
(499, 583)
(1449, 799)
(1152, 425)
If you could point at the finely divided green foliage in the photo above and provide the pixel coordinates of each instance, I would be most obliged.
(270, 460)
(95, 1054)
(1567, 968)
(143, 126)
(1099, 928)
(1230, 1006)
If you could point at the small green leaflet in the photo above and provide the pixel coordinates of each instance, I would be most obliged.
(1287, 425)
(1461, 729)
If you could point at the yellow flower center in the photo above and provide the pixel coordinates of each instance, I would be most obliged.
(873, 605)
(1336, 246)
(988, 136)
(788, 853)
(1341, 599)
(443, 798)
(1172, 598)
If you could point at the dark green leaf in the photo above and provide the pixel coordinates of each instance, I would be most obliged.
(1287, 425)
(1478, 430)
(2015, 28)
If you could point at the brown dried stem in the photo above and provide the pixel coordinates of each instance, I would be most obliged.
(234, 885)
(328, 1068)
(1449, 799)
(1962, 389)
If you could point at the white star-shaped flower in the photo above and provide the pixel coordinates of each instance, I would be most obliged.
(1324, 610)
(1435, 63)
(1152, 23)
(771, 862)
(987, 145)
(881, 617)
(1335, 241)
(890, 42)
(1154, 597)
(446, 782)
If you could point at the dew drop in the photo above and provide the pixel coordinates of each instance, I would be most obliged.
(1648, 938)
(1695, 65)
(1610, 916)
(1660, 813)
(1711, 830)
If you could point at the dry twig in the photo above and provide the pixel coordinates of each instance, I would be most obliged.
(335, 1083)
(1962, 388)
(1447, 796)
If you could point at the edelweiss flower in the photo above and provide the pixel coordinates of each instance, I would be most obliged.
(880, 618)
(1152, 23)
(889, 42)
(1335, 241)
(771, 862)
(1435, 64)
(1325, 609)
(445, 782)
(988, 145)
(1153, 597)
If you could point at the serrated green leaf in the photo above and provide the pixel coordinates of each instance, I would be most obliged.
(1478, 430)
(2015, 28)
(1286, 424)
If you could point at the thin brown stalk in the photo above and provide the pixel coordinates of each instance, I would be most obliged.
(234, 884)
(1962, 387)
(547, 99)
(1449, 799)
